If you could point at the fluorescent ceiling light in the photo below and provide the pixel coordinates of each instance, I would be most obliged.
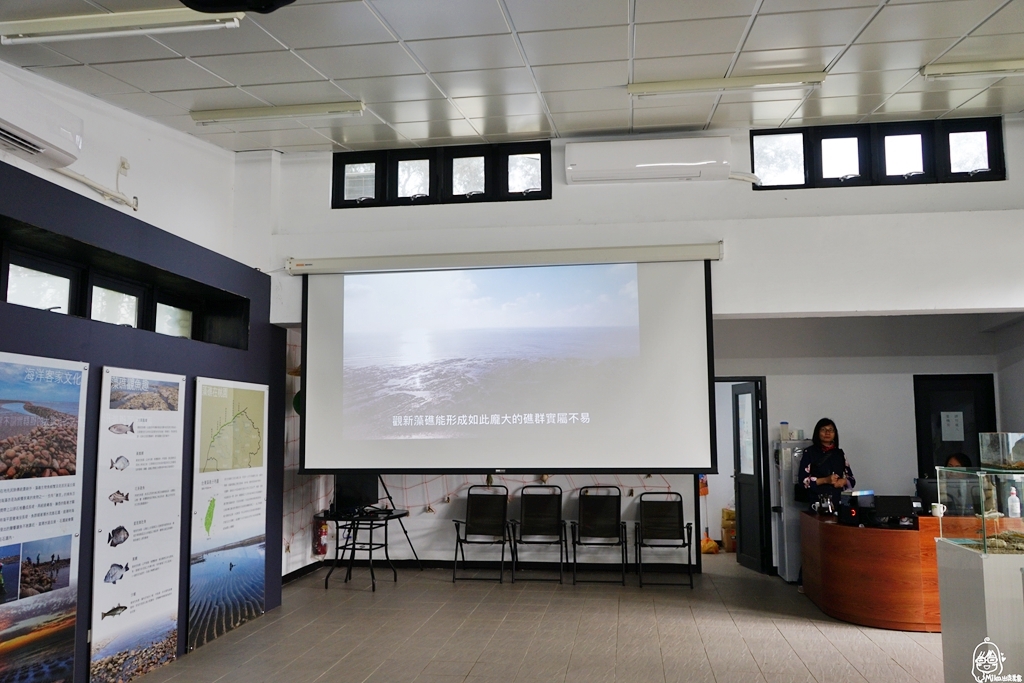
(994, 69)
(716, 85)
(82, 27)
(296, 111)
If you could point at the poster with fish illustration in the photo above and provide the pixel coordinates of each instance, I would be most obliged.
(136, 556)
(42, 433)
(229, 502)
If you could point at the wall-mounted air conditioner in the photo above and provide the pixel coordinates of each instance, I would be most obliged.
(647, 160)
(36, 129)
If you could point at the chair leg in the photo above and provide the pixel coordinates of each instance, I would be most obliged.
(574, 560)
(515, 554)
(455, 564)
(625, 554)
(640, 563)
(501, 570)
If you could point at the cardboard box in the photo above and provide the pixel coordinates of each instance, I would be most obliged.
(729, 539)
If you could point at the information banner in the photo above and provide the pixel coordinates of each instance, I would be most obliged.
(229, 505)
(42, 433)
(136, 561)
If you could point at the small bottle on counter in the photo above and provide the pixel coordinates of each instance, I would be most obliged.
(784, 431)
(1013, 504)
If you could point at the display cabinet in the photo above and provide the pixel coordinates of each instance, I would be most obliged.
(1002, 450)
(980, 512)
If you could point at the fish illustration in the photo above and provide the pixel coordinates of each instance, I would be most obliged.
(113, 611)
(117, 536)
(115, 573)
(117, 497)
(122, 429)
(121, 463)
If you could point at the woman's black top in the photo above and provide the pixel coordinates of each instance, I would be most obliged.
(818, 463)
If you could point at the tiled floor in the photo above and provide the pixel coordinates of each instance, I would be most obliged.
(736, 626)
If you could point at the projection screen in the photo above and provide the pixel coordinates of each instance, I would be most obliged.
(543, 369)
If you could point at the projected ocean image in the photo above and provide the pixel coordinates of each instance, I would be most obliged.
(445, 354)
(226, 589)
(37, 638)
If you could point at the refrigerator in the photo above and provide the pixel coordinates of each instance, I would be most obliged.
(784, 468)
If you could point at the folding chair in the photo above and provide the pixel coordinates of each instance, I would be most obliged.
(661, 526)
(540, 523)
(599, 523)
(486, 523)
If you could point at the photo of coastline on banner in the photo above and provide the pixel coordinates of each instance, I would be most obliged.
(136, 554)
(42, 433)
(229, 508)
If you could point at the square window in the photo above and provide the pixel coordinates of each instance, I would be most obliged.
(840, 158)
(360, 181)
(779, 159)
(114, 307)
(176, 322)
(34, 288)
(468, 176)
(414, 178)
(524, 173)
(968, 152)
(903, 155)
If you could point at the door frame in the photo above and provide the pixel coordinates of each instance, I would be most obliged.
(760, 383)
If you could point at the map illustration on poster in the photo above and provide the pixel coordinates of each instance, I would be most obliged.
(229, 523)
(136, 557)
(42, 433)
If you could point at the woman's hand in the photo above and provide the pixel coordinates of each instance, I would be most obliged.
(825, 481)
(838, 482)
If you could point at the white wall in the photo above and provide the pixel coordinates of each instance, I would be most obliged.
(185, 186)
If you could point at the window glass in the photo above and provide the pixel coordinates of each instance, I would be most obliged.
(524, 172)
(177, 322)
(468, 175)
(840, 158)
(968, 151)
(27, 287)
(414, 178)
(114, 307)
(903, 155)
(779, 159)
(360, 181)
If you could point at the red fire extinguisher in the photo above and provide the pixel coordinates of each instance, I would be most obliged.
(320, 537)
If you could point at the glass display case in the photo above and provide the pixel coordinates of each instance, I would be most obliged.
(1002, 450)
(982, 508)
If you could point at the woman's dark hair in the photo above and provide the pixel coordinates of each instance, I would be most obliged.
(962, 458)
(824, 422)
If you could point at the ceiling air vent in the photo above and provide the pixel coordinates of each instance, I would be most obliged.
(13, 142)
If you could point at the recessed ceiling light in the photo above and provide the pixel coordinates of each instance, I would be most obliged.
(993, 69)
(737, 83)
(87, 26)
(295, 111)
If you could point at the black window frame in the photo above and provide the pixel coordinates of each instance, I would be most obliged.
(862, 133)
(379, 158)
(926, 129)
(992, 127)
(450, 154)
(806, 132)
(396, 156)
(50, 266)
(518, 148)
(145, 315)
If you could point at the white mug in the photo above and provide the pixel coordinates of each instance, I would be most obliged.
(938, 509)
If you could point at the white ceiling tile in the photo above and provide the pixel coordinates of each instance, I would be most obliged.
(922, 84)
(85, 78)
(822, 120)
(764, 95)
(777, 6)
(500, 105)
(785, 61)
(890, 56)
(296, 136)
(676, 38)
(587, 100)
(575, 122)
(391, 89)
(185, 124)
(684, 114)
(236, 142)
(676, 101)
(41, 9)
(985, 48)
(512, 125)
(143, 104)
(461, 140)
(582, 76)
(576, 45)
(1010, 19)
(806, 29)
(281, 94)
(103, 50)
(327, 25)
(327, 146)
(950, 19)
(415, 19)
(516, 137)
(755, 111)
(1003, 100)
(362, 61)
(839, 106)
(383, 144)
(541, 15)
(130, 5)
(248, 37)
(256, 125)
(681, 68)
(467, 54)
(417, 110)
(926, 101)
(260, 68)
(346, 135)
(33, 55)
(864, 83)
(884, 117)
(656, 11)
(210, 98)
(165, 74)
(485, 82)
(423, 130)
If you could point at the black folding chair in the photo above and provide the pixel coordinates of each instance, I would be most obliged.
(661, 526)
(599, 523)
(486, 523)
(540, 523)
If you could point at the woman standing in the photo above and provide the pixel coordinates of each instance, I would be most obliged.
(824, 470)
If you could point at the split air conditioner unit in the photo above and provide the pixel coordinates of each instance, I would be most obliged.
(36, 129)
(635, 161)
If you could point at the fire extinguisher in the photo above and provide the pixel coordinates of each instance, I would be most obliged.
(320, 538)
